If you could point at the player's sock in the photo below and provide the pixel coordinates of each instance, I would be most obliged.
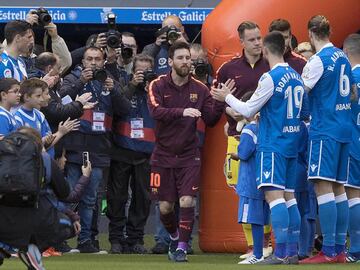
(186, 216)
(294, 228)
(311, 236)
(342, 210)
(248, 234)
(170, 224)
(267, 235)
(280, 224)
(354, 226)
(304, 237)
(327, 216)
(258, 238)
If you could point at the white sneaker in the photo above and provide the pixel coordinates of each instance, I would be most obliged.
(251, 260)
(246, 255)
(267, 252)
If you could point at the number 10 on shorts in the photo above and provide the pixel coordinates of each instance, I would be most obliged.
(155, 180)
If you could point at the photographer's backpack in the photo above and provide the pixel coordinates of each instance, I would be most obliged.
(21, 171)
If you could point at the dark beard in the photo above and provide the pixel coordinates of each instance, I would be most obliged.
(182, 72)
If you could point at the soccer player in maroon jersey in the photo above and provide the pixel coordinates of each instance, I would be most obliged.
(176, 101)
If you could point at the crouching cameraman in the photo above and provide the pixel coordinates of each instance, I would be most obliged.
(134, 142)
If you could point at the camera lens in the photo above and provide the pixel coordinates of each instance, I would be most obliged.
(201, 68)
(126, 52)
(100, 75)
(45, 18)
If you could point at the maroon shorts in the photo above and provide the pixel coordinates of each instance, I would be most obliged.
(169, 184)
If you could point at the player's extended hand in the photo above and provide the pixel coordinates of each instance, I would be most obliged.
(219, 93)
(191, 112)
(234, 114)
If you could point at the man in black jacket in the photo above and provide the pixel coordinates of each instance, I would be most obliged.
(94, 133)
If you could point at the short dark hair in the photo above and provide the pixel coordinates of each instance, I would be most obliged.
(32, 134)
(28, 87)
(275, 43)
(93, 48)
(141, 57)
(320, 26)
(352, 44)
(45, 59)
(177, 46)
(279, 25)
(14, 28)
(6, 84)
(246, 25)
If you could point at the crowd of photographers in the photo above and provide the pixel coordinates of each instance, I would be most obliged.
(90, 108)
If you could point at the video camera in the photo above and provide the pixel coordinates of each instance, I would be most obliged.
(113, 37)
(44, 16)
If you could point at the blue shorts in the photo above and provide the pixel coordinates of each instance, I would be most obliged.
(307, 205)
(253, 211)
(328, 160)
(275, 170)
(354, 173)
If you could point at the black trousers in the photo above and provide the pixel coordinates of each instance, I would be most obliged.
(123, 175)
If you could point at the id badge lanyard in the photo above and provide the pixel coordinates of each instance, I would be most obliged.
(98, 116)
(137, 123)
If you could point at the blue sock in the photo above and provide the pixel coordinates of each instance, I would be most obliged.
(280, 224)
(342, 221)
(327, 216)
(354, 225)
(303, 239)
(294, 228)
(311, 236)
(258, 238)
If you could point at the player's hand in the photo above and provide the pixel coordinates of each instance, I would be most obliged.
(234, 114)
(84, 98)
(191, 112)
(219, 93)
(86, 171)
(86, 75)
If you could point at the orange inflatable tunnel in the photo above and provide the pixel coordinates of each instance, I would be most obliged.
(218, 229)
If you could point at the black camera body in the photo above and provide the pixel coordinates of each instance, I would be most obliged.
(44, 16)
(149, 75)
(126, 52)
(172, 33)
(100, 74)
(113, 37)
(201, 68)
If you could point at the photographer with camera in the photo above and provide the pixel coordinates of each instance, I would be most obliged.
(134, 142)
(200, 69)
(42, 19)
(94, 133)
(171, 31)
